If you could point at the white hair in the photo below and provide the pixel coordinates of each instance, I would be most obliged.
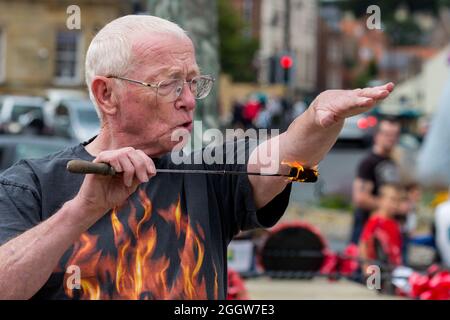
(110, 52)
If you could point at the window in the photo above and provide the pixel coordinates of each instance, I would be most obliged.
(19, 110)
(67, 57)
(2, 55)
(88, 117)
(248, 10)
(62, 121)
(248, 17)
(32, 150)
(334, 79)
(3, 161)
(332, 51)
(62, 110)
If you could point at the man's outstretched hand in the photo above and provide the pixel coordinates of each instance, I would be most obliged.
(333, 106)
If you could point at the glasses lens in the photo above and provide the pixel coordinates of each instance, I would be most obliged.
(169, 90)
(201, 86)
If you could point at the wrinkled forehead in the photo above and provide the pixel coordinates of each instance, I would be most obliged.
(163, 56)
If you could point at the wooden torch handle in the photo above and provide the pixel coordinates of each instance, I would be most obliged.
(85, 167)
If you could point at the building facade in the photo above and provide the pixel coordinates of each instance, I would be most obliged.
(330, 51)
(250, 12)
(422, 92)
(41, 48)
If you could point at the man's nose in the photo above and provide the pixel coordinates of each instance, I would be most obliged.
(186, 99)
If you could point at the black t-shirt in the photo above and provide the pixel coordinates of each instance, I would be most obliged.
(378, 170)
(167, 241)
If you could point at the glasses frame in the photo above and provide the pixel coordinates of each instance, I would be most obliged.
(158, 85)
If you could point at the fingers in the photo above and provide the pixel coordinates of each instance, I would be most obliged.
(128, 170)
(132, 163)
(374, 93)
(389, 86)
(333, 106)
(377, 93)
(367, 97)
(141, 164)
(116, 165)
(150, 166)
(364, 102)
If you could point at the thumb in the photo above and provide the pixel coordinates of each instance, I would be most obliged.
(326, 118)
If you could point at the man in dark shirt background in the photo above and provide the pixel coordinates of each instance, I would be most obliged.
(376, 169)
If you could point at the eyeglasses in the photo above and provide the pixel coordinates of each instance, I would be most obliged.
(171, 89)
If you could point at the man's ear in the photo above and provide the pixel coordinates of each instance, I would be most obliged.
(102, 91)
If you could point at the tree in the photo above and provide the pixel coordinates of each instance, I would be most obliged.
(237, 51)
(404, 33)
(369, 73)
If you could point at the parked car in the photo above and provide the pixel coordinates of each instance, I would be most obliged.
(54, 98)
(75, 119)
(19, 113)
(17, 147)
(359, 128)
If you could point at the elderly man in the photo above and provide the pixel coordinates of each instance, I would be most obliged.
(138, 234)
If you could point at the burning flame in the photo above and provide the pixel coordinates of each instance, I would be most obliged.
(293, 164)
(135, 271)
(301, 174)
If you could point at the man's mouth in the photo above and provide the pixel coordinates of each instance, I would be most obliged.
(186, 125)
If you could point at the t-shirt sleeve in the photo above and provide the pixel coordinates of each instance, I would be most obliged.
(236, 195)
(365, 170)
(19, 202)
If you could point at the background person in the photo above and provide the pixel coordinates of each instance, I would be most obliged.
(374, 170)
(382, 227)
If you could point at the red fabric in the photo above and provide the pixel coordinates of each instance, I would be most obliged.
(330, 263)
(349, 263)
(236, 286)
(435, 285)
(251, 110)
(387, 231)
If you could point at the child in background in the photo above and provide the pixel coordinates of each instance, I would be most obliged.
(382, 231)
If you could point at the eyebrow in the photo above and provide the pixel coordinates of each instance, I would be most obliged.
(178, 73)
(172, 73)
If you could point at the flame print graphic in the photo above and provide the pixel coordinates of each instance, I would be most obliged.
(135, 272)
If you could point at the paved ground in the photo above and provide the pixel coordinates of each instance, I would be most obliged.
(316, 289)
